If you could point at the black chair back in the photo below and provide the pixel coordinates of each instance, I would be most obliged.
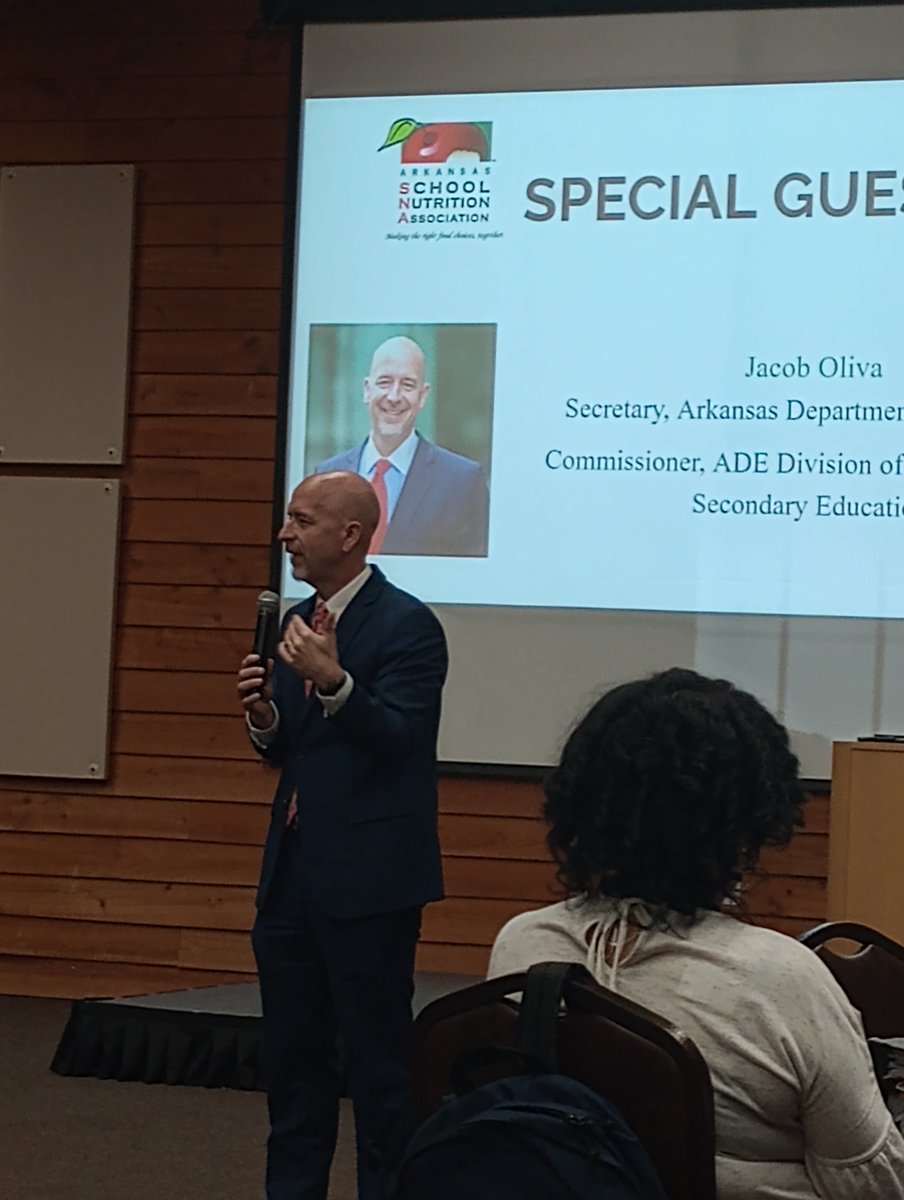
(872, 977)
(645, 1066)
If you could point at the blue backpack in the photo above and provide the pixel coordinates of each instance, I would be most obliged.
(537, 1135)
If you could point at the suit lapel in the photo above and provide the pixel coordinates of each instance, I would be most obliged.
(355, 616)
(350, 625)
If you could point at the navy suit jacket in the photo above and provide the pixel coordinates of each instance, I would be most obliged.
(365, 777)
(443, 508)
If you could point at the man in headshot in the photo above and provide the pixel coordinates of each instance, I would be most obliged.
(431, 500)
(349, 714)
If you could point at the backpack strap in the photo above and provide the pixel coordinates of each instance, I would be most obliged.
(539, 1013)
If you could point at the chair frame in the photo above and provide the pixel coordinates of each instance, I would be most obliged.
(852, 931)
(582, 994)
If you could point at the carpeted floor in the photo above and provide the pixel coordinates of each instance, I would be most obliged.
(89, 1139)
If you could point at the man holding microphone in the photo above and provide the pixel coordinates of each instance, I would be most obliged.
(349, 713)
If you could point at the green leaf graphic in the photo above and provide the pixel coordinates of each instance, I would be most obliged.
(399, 131)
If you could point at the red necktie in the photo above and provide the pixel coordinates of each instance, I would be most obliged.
(378, 483)
(318, 625)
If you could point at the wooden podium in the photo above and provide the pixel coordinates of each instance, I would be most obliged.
(866, 836)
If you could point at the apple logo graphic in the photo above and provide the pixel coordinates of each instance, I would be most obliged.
(438, 142)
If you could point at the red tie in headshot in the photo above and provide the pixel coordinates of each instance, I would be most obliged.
(379, 486)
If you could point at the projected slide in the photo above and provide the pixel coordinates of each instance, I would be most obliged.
(635, 349)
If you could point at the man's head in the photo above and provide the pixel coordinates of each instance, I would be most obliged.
(395, 391)
(329, 523)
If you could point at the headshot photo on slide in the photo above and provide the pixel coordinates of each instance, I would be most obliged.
(410, 408)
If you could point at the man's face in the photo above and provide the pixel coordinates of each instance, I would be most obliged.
(313, 534)
(395, 390)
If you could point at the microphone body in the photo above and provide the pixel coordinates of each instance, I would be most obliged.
(267, 626)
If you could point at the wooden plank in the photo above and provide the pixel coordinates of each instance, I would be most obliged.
(209, 182)
(221, 949)
(207, 308)
(188, 607)
(808, 854)
(208, 266)
(179, 436)
(452, 960)
(45, 937)
(481, 796)
(150, 648)
(49, 937)
(816, 814)
(493, 837)
(140, 775)
(204, 395)
(469, 922)
(181, 736)
(232, 523)
(500, 879)
(200, 479)
(196, 351)
(33, 811)
(176, 692)
(127, 902)
(248, 138)
(56, 56)
(167, 562)
(160, 99)
(164, 16)
(210, 225)
(151, 859)
(785, 896)
(72, 979)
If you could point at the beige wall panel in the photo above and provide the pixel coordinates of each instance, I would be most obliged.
(58, 542)
(65, 289)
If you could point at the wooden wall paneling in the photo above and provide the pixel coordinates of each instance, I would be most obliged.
(195, 821)
(205, 396)
(200, 479)
(146, 775)
(145, 881)
(234, 523)
(181, 735)
(194, 565)
(208, 266)
(36, 17)
(74, 979)
(111, 55)
(162, 861)
(208, 308)
(197, 692)
(129, 902)
(193, 608)
(229, 181)
(175, 352)
(193, 437)
(217, 224)
(156, 649)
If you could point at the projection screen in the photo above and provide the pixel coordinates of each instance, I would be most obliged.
(627, 285)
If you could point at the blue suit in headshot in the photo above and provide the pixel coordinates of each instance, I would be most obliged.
(443, 505)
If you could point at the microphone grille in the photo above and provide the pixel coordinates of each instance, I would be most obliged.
(268, 602)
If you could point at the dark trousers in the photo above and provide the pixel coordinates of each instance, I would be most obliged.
(320, 976)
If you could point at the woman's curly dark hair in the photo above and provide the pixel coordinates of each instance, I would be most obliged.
(667, 791)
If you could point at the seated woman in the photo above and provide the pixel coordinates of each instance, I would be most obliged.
(665, 794)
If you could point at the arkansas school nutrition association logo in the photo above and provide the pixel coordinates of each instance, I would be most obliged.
(444, 177)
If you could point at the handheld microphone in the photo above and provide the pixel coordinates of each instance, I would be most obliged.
(266, 628)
